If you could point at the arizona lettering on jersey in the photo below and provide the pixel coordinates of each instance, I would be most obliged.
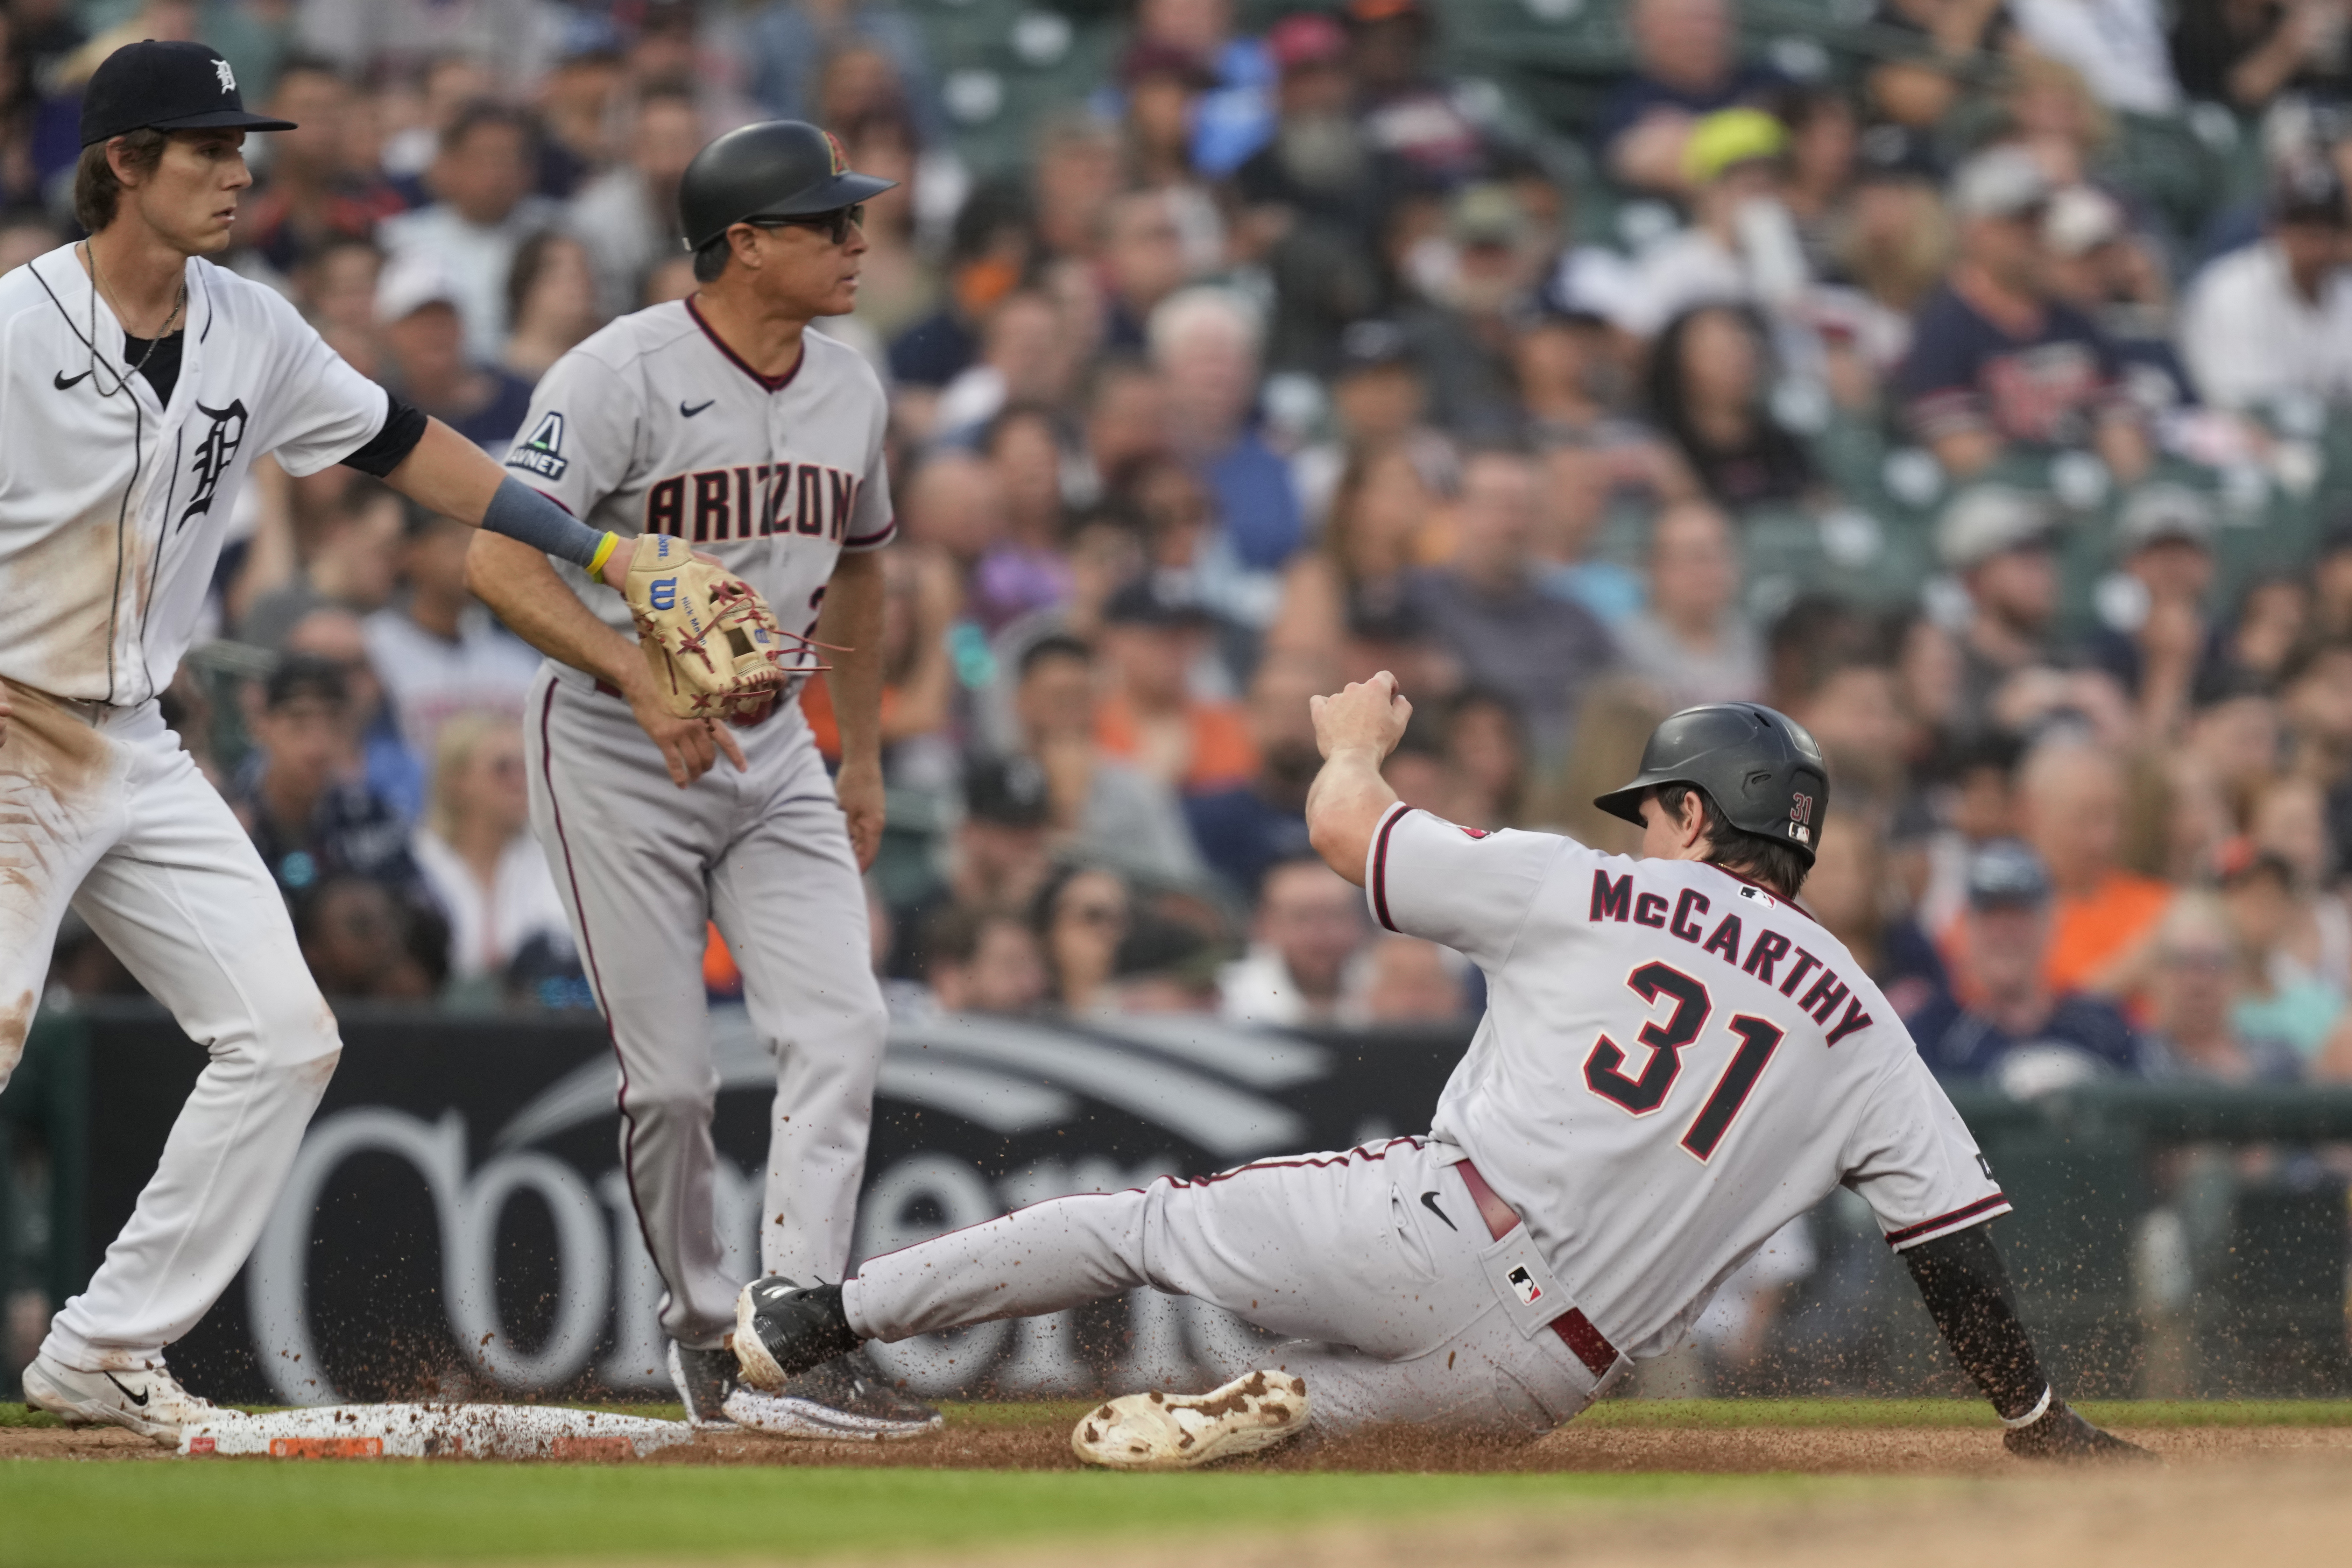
(753, 500)
(113, 504)
(1674, 1063)
(653, 425)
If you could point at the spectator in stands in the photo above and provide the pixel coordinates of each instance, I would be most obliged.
(1408, 114)
(2071, 808)
(1486, 747)
(985, 961)
(2276, 318)
(2117, 45)
(483, 211)
(576, 103)
(1742, 246)
(1994, 361)
(335, 286)
(1311, 197)
(1996, 540)
(2245, 53)
(1692, 644)
(1164, 967)
(1164, 85)
(1402, 980)
(1476, 279)
(627, 215)
(1026, 571)
(2192, 984)
(1709, 390)
(1485, 608)
(1081, 917)
(2099, 265)
(298, 796)
(1206, 341)
(476, 852)
(1244, 830)
(1686, 65)
(552, 301)
(360, 943)
(1026, 356)
(1104, 806)
(1308, 927)
(2004, 1014)
(389, 768)
(346, 550)
(996, 860)
(2277, 997)
(1896, 241)
(310, 195)
(1154, 634)
(430, 358)
(2164, 538)
(1352, 586)
(1578, 483)
(438, 650)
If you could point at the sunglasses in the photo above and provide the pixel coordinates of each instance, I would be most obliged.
(834, 225)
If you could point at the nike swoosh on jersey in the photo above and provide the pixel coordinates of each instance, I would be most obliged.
(690, 413)
(65, 383)
(139, 1399)
(1429, 1202)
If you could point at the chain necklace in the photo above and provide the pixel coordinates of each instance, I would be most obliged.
(99, 286)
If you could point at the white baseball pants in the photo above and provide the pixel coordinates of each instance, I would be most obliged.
(642, 865)
(100, 808)
(1399, 1298)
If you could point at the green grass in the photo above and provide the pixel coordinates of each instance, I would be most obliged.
(254, 1514)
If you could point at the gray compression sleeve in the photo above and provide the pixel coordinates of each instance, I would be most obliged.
(520, 512)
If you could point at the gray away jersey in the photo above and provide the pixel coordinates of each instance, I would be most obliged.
(653, 426)
(1674, 1063)
(113, 505)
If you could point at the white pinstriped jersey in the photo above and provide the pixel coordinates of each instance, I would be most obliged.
(1674, 1063)
(653, 426)
(112, 504)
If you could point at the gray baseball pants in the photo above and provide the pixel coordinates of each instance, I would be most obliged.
(1397, 1304)
(642, 865)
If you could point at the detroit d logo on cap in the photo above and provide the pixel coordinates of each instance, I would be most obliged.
(228, 77)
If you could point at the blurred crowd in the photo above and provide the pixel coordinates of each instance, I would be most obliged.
(1919, 397)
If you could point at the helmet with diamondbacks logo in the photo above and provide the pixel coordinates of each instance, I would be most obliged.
(1762, 769)
(777, 168)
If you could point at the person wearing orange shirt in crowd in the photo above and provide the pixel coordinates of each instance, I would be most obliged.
(2104, 919)
(1154, 632)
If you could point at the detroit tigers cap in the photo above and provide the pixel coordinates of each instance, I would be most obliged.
(2007, 873)
(153, 85)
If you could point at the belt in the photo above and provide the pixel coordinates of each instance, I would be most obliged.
(607, 688)
(1575, 1330)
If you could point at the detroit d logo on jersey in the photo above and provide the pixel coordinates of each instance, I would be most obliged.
(216, 449)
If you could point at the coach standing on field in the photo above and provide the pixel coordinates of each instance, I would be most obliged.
(138, 382)
(720, 420)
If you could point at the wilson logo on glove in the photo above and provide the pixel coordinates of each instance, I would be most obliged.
(663, 595)
(711, 643)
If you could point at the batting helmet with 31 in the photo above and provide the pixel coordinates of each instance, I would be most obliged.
(777, 168)
(1763, 771)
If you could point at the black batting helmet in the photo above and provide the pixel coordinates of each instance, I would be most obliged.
(777, 168)
(1763, 771)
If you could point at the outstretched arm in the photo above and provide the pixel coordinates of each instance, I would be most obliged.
(1355, 731)
(1966, 1290)
(444, 472)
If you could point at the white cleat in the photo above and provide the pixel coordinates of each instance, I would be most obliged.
(149, 1402)
(1158, 1431)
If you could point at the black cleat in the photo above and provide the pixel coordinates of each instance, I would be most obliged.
(783, 1330)
(846, 1398)
(2063, 1435)
(704, 1380)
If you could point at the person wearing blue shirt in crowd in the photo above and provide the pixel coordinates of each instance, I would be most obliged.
(2001, 1020)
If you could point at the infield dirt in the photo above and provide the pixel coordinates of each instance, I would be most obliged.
(1042, 1442)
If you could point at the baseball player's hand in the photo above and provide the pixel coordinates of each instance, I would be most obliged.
(688, 746)
(859, 785)
(1369, 715)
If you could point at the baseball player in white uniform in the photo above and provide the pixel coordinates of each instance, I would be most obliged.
(138, 382)
(1676, 1061)
(721, 421)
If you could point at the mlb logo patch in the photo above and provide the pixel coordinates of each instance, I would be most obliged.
(1525, 1284)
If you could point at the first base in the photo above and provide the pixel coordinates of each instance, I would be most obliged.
(434, 1432)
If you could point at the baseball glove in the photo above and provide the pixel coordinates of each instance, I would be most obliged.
(712, 642)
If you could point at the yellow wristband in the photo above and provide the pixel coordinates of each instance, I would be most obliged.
(604, 553)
